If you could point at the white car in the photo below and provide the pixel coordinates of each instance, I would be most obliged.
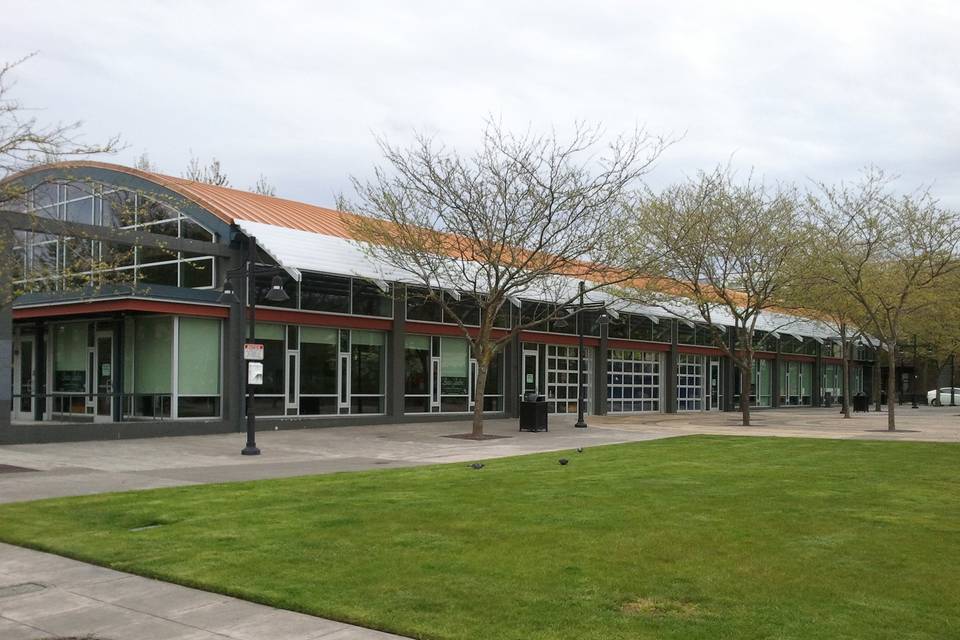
(944, 398)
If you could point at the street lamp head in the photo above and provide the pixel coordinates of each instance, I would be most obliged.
(604, 318)
(228, 296)
(276, 293)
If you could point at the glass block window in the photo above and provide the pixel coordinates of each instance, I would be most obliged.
(689, 382)
(633, 381)
(563, 379)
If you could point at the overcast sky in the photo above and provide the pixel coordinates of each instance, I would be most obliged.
(798, 91)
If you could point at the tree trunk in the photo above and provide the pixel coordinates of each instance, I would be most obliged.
(483, 366)
(892, 388)
(745, 375)
(846, 354)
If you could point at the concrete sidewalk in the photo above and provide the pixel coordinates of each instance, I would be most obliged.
(33, 471)
(47, 596)
(79, 468)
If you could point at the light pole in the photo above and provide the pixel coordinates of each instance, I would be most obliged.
(953, 383)
(248, 273)
(914, 404)
(581, 357)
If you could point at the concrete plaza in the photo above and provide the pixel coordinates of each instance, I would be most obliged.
(79, 468)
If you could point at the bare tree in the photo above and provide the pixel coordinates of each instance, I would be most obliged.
(813, 290)
(723, 252)
(888, 252)
(524, 216)
(264, 187)
(210, 173)
(24, 142)
(143, 163)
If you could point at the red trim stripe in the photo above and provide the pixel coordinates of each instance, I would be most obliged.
(110, 306)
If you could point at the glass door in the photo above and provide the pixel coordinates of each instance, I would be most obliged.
(530, 372)
(715, 394)
(23, 378)
(103, 377)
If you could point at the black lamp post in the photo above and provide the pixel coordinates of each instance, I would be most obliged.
(248, 273)
(914, 404)
(578, 310)
(953, 383)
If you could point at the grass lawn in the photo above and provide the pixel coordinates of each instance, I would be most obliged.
(696, 537)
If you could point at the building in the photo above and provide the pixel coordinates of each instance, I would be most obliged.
(118, 327)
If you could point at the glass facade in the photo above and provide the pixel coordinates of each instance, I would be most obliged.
(796, 383)
(563, 379)
(690, 382)
(51, 263)
(831, 383)
(171, 368)
(760, 384)
(315, 371)
(440, 375)
(633, 381)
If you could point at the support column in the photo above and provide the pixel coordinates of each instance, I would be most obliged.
(815, 388)
(775, 381)
(730, 371)
(118, 369)
(40, 371)
(600, 372)
(513, 359)
(6, 334)
(396, 382)
(670, 397)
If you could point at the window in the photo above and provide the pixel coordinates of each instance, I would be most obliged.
(633, 381)
(370, 300)
(689, 382)
(493, 389)
(421, 307)
(563, 378)
(416, 374)
(61, 263)
(269, 400)
(152, 367)
(367, 365)
(466, 308)
(198, 364)
(325, 293)
(318, 371)
(760, 384)
(454, 374)
(70, 358)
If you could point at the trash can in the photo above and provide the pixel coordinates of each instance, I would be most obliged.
(533, 413)
(828, 399)
(861, 402)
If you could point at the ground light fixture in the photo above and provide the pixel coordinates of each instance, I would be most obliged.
(247, 274)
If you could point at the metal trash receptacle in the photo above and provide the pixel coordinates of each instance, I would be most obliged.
(861, 402)
(533, 413)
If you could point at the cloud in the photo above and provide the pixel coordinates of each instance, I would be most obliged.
(296, 90)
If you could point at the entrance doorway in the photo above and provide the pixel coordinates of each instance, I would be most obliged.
(24, 376)
(101, 359)
(715, 396)
(531, 372)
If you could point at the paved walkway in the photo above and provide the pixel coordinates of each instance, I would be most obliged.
(80, 468)
(44, 596)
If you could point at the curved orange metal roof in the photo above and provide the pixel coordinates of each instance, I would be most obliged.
(229, 204)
